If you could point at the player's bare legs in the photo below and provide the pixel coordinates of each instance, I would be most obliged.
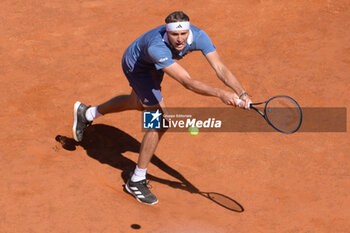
(137, 185)
(120, 103)
(148, 147)
(84, 115)
(150, 139)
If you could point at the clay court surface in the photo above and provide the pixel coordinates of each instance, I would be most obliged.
(53, 53)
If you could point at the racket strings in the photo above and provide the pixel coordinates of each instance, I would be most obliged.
(284, 114)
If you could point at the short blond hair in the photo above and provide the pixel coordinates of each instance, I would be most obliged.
(177, 16)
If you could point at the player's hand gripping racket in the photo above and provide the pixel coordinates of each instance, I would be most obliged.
(281, 112)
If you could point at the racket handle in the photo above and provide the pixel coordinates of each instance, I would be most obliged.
(238, 101)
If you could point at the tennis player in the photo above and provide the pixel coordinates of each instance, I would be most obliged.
(144, 63)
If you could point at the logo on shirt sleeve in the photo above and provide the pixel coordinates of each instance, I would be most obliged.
(163, 59)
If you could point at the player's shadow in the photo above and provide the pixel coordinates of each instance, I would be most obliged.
(107, 144)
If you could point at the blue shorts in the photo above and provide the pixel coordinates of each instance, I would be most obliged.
(146, 84)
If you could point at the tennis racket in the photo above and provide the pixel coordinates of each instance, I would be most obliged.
(281, 112)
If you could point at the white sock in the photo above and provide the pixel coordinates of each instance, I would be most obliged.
(92, 113)
(139, 174)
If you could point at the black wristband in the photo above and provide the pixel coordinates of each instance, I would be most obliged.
(244, 93)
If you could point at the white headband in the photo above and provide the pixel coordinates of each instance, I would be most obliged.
(178, 26)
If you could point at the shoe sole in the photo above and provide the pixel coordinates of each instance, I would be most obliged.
(76, 107)
(127, 189)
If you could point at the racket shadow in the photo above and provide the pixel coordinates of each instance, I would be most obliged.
(107, 144)
(223, 201)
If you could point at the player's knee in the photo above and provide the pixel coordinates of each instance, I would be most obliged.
(159, 132)
(142, 107)
(150, 107)
(134, 103)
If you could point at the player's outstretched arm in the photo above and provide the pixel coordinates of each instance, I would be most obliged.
(181, 75)
(226, 76)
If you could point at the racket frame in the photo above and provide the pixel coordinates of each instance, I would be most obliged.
(264, 115)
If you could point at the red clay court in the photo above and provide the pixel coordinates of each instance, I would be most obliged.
(53, 53)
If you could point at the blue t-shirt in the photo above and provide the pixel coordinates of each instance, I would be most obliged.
(152, 51)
